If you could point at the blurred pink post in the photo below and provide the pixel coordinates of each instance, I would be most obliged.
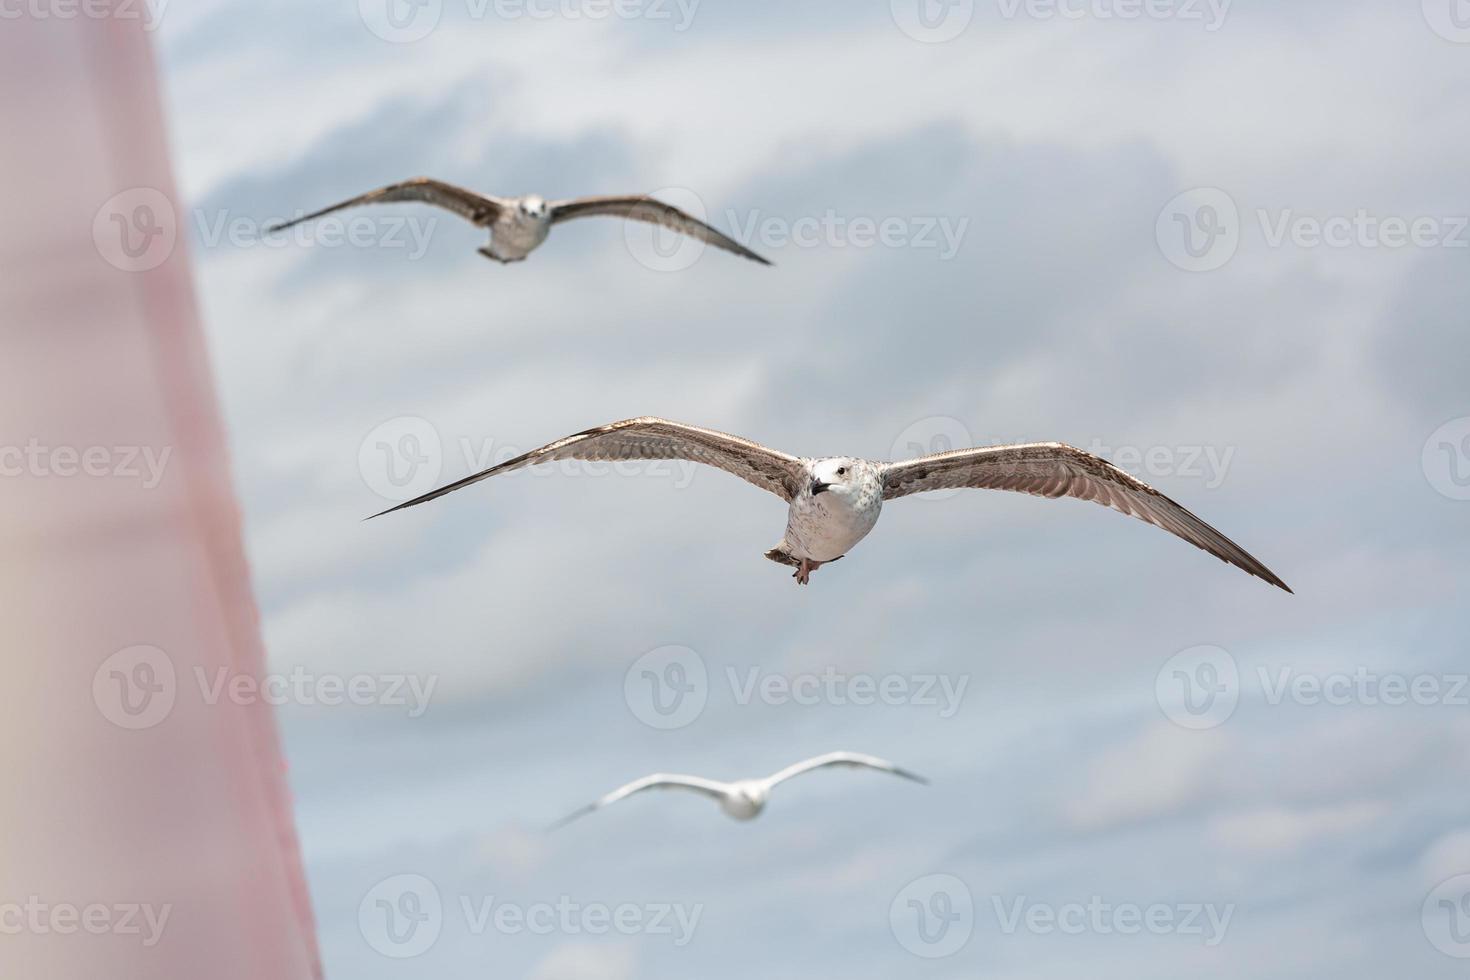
(145, 822)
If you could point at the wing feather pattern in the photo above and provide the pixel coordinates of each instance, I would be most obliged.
(641, 207)
(653, 438)
(1052, 469)
(476, 208)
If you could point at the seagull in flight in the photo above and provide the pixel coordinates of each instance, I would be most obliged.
(519, 225)
(743, 800)
(835, 500)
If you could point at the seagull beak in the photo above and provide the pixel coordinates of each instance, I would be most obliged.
(819, 487)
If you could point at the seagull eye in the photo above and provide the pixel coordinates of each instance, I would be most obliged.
(842, 471)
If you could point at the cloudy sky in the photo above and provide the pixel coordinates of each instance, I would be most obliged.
(1223, 244)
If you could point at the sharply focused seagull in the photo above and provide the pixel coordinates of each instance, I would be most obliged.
(519, 225)
(743, 800)
(835, 500)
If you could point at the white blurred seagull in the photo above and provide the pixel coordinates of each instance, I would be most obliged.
(745, 799)
(519, 225)
(835, 501)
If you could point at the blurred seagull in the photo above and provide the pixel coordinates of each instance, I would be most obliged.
(835, 501)
(743, 800)
(519, 225)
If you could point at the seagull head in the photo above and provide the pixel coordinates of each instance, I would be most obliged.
(533, 207)
(840, 475)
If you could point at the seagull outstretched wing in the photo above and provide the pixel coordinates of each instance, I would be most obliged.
(640, 207)
(652, 438)
(708, 787)
(477, 208)
(1051, 469)
(852, 760)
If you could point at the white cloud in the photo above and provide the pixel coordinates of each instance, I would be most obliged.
(1276, 830)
